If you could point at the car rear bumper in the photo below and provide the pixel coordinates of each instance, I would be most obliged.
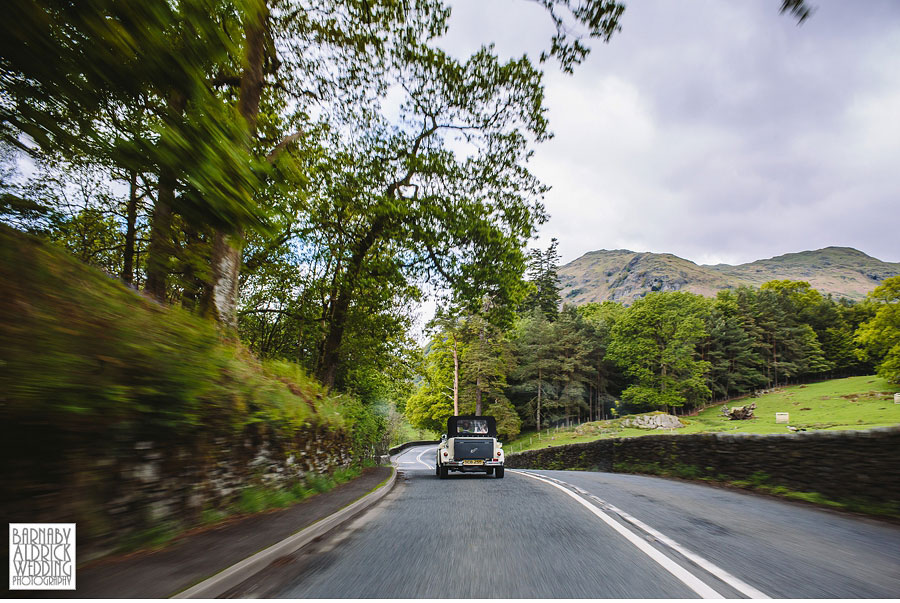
(490, 463)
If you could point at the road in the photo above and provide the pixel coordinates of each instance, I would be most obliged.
(596, 535)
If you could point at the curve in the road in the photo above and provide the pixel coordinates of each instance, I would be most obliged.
(529, 536)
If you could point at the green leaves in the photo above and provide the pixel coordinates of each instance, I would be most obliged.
(543, 280)
(880, 336)
(575, 19)
(655, 342)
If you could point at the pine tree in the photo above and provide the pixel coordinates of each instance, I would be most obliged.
(734, 367)
(543, 278)
(536, 352)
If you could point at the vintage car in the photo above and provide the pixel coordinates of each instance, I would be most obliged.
(470, 445)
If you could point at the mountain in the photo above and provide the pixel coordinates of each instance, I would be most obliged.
(623, 276)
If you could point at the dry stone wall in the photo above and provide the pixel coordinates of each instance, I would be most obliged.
(116, 490)
(861, 466)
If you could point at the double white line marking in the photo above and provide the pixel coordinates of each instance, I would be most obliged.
(419, 458)
(690, 580)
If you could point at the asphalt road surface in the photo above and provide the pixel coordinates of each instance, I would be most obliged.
(562, 534)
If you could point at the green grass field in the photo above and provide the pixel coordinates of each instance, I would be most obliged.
(851, 403)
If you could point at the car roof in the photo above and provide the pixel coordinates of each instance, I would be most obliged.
(453, 420)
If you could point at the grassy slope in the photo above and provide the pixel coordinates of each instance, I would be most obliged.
(87, 363)
(82, 351)
(851, 403)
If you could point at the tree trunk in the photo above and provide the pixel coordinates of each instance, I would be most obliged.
(226, 261)
(192, 283)
(330, 358)
(539, 402)
(222, 296)
(455, 378)
(161, 226)
(160, 247)
(478, 396)
(775, 359)
(130, 226)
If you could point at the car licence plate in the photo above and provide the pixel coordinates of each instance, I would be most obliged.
(473, 462)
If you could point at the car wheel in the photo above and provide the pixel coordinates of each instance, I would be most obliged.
(442, 473)
(437, 469)
(489, 470)
(499, 472)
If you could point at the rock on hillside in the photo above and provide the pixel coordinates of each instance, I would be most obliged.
(653, 421)
(623, 276)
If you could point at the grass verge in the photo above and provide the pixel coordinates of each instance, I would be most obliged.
(851, 403)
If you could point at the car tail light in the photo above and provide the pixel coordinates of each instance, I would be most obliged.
(445, 454)
(499, 453)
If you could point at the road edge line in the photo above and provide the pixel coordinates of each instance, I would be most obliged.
(218, 584)
(710, 567)
(687, 578)
(730, 579)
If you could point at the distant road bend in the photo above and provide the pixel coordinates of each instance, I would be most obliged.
(566, 534)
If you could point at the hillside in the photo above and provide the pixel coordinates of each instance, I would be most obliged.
(851, 403)
(623, 276)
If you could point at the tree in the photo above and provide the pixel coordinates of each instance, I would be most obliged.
(607, 378)
(537, 360)
(451, 330)
(508, 422)
(73, 73)
(781, 307)
(655, 343)
(432, 401)
(879, 337)
(412, 210)
(575, 369)
(543, 278)
(734, 364)
(485, 362)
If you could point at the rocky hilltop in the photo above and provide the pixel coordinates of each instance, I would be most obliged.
(623, 276)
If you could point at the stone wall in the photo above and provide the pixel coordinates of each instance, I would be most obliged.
(861, 466)
(115, 490)
(406, 445)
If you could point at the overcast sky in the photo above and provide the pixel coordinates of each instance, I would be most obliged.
(720, 131)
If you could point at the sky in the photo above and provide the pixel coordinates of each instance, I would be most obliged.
(721, 131)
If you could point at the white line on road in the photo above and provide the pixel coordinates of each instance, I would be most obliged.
(713, 569)
(689, 579)
(419, 458)
(710, 567)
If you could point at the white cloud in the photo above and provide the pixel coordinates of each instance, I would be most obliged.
(724, 132)
(718, 131)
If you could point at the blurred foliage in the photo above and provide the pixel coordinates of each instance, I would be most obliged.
(89, 356)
